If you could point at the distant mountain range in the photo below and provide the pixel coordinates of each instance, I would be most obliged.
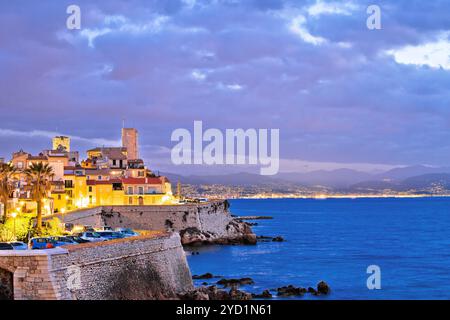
(398, 179)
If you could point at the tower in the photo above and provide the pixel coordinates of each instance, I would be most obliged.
(61, 142)
(130, 141)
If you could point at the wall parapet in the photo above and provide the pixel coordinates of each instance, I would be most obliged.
(152, 266)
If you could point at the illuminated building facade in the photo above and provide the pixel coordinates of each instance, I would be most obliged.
(108, 176)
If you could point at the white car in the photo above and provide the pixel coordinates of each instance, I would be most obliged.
(127, 232)
(92, 236)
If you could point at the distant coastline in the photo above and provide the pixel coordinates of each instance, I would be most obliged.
(324, 197)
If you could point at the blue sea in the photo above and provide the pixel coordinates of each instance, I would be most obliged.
(335, 240)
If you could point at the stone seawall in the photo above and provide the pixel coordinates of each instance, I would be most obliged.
(145, 267)
(197, 223)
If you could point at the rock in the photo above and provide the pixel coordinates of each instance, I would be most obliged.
(313, 291)
(290, 291)
(204, 276)
(264, 295)
(212, 293)
(239, 295)
(235, 282)
(268, 239)
(237, 232)
(197, 294)
(194, 237)
(323, 288)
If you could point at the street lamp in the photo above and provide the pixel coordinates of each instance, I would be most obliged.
(14, 215)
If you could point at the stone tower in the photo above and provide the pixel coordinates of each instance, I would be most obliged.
(130, 141)
(61, 142)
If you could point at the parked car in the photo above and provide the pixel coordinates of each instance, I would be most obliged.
(111, 235)
(62, 241)
(41, 243)
(6, 246)
(17, 245)
(88, 229)
(78, 239)
(91, 236)
(127, 232)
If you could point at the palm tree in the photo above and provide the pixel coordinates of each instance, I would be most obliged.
(7, 172)
(39, 176)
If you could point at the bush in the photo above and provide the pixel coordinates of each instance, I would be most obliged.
(23, 227)
(52, 227)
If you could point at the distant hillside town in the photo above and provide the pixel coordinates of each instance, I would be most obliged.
(107, 176)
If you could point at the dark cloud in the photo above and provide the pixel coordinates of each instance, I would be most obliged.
(163, 64)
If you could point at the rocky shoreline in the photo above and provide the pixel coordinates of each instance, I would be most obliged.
(213, 292)
(215, 287)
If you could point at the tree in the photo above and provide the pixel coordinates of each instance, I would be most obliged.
(39, 176)
(7, 172)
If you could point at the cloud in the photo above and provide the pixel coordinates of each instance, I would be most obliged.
(434, 54)
(298, 27)
(50, 134)
(198, 75)
(311, 69)
(122, 24)
(330, 8)
(230, 87)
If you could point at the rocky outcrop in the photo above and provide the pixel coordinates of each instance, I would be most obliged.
(203, 276)
(213, 293)
(290, 291)
(270, 239)
(235, 282)
(323, 288)
(264, 295)
(235, 232)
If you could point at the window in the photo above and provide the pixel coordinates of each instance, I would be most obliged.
(114, 162)
(130, 200)
(68, 184)
(90, 199)
(99, 177)
(141, 190)
(130, 190)
(59, 197)
(20, 165)
(140, 173)
(90, 190)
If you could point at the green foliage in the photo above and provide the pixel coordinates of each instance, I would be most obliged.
(6, 235)
(52, 227)
(22, 226)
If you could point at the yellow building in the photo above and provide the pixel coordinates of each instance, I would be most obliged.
(61, 143)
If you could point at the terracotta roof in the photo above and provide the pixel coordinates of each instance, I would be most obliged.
(142, 181)
(111, 153)
(98, 172)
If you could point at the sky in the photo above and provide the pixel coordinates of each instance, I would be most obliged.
(342, 96)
